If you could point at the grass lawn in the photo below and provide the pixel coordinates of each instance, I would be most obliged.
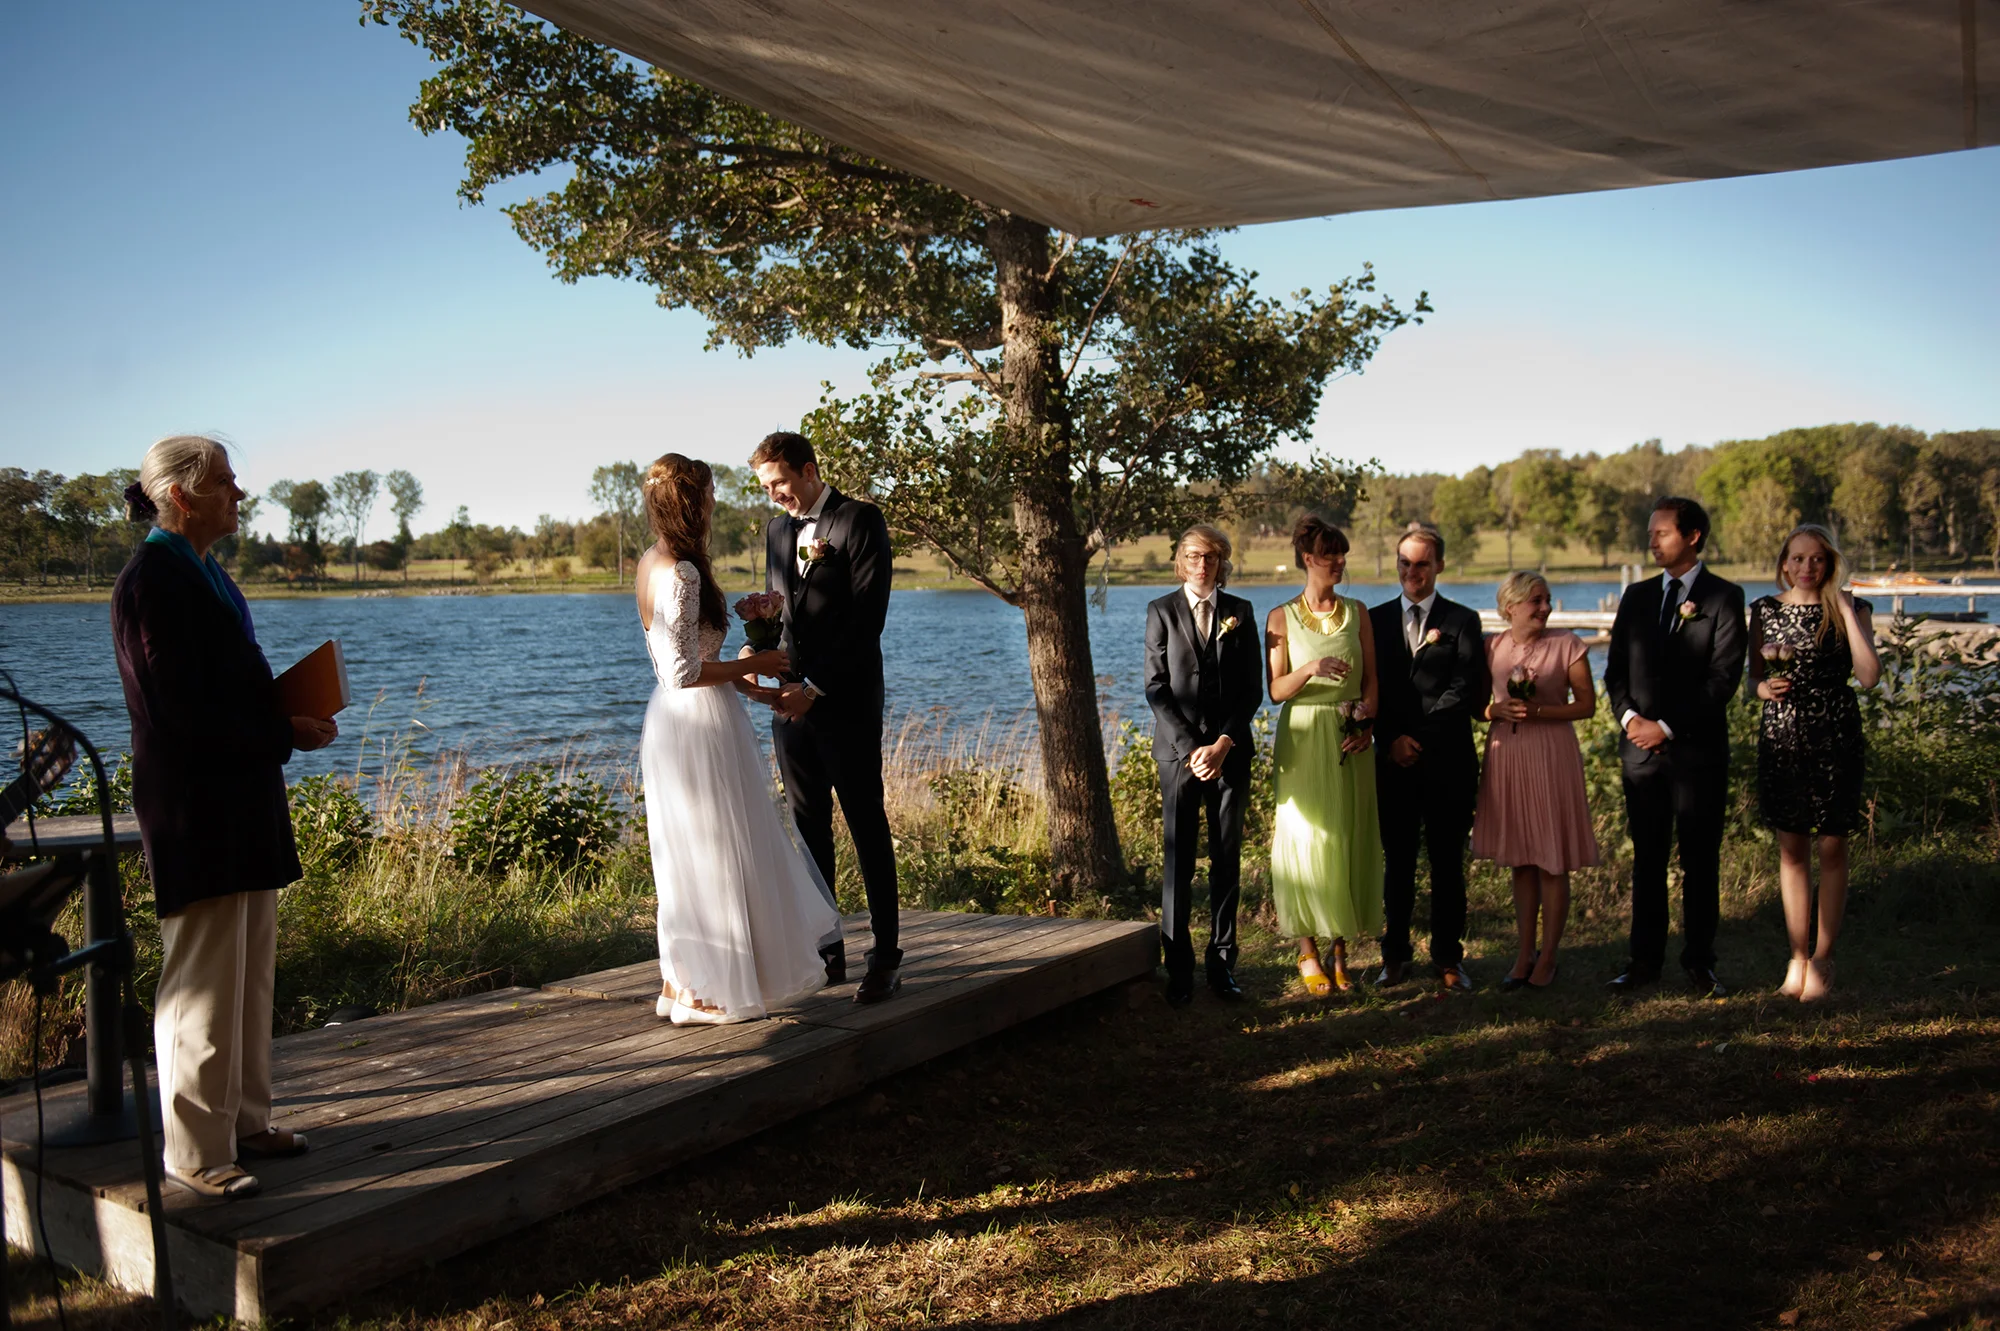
(1410, 1161)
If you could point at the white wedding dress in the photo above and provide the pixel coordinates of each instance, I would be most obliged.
(742, 910)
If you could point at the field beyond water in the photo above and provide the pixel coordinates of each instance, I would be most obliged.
(1395, 1158)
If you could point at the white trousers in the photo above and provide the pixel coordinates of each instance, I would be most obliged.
(212, 1026)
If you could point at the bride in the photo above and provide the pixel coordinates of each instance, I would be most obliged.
(741, 910)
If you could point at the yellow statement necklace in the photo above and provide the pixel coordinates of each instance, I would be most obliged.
(1323, 622)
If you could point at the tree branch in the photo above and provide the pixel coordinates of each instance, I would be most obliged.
(959, 565)
(1091, 323)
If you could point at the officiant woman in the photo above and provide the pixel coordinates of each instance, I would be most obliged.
(209, 744)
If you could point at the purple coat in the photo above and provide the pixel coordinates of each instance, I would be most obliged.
(209, 741)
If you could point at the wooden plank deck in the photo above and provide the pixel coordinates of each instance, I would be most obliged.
(438, 1129)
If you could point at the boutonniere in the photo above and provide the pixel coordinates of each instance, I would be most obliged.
(1228, 623)
(813, 551)
(1687, 612)
(1433, 638)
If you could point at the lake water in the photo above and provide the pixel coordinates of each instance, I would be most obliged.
(514, 678)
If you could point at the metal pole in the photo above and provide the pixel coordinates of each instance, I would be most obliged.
(103, 920)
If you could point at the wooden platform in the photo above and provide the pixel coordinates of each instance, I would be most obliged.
(437, 1129)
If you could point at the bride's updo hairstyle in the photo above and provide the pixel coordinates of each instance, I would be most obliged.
(678, 493)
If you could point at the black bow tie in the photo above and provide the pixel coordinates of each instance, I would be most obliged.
(798, 524)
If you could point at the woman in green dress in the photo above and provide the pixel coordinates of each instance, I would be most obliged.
(1326, 851)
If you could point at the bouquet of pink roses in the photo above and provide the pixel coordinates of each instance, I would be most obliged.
(1779, 658)
(763, 616)
(1520, 684)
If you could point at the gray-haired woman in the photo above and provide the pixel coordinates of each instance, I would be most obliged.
(209, 743)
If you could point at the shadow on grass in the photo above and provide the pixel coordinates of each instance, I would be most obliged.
(1501, 1160)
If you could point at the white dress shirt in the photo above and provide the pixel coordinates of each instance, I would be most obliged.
(809, 527)
(1666, 581)
(1413, 635)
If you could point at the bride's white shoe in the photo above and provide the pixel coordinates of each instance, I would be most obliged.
(663, 1006)
(683, 1015)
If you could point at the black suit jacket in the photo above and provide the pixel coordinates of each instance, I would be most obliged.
(1685, 676)
(1177, 667)
(209, 741)
(835, 609)
(1435, 696)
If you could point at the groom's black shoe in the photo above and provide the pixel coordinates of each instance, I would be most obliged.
(1180, 988)
(835, 957)
(878, 984)
(1222, 983)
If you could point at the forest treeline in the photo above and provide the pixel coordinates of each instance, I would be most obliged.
(1893, 494)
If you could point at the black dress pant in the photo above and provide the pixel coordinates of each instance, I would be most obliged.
(1672, 795)
(1186, 799)
(829, 752)
(1427, 804)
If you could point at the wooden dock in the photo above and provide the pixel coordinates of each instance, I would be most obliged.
(440, 1128)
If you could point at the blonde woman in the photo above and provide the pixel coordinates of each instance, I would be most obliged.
(1805, 643)
(1326, 849)
(1533, 816)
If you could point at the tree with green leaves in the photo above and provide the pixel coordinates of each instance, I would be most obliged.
(406, 500)
(1052, 395)
(1542, 497)
(1600, 516)
(1762, 515)
(617, 492)
(353, 499)
(1461, 508)
(308, 503)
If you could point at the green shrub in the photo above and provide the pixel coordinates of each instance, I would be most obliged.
(80, 795)
(330, 823)
(531, 816)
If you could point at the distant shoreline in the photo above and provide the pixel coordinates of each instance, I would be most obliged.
(735, 582)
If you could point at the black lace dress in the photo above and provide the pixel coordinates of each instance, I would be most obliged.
(1809, 749)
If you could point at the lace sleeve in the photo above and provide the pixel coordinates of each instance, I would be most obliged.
(683, 663)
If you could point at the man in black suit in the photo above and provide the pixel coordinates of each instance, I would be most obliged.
(1204, 681)
(1432, 657)
(829, 556)
(1676, 658)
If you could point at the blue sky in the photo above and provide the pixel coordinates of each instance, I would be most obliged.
(218, 217)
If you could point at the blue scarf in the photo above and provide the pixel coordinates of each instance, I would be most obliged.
(218, 581)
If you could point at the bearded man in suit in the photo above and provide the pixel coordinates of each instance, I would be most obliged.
(1677, 650)
(1204, 681)
(1431, 653)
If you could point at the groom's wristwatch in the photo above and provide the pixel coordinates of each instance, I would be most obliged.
(814, 691)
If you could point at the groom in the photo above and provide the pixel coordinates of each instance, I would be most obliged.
(829, 557)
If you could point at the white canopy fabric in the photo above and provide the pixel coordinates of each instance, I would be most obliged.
(1101, 116)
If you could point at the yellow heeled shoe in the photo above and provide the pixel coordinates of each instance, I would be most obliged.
(1315, 979)
(1341, 979)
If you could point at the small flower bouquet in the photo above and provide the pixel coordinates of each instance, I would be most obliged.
(1779, 659)
(1354, 720)
(1227, 625)
(1686, 613)
(763, 616)
(1520, 684)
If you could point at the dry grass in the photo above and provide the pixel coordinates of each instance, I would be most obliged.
(1556, 1160)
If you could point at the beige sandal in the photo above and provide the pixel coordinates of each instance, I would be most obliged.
(228, 1181)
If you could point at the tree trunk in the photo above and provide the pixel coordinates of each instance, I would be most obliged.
(1083, 834)
(1510, 549)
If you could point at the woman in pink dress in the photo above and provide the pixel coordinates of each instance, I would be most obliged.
(1533, 815)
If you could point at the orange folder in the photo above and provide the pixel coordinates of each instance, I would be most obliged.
(317, 685)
